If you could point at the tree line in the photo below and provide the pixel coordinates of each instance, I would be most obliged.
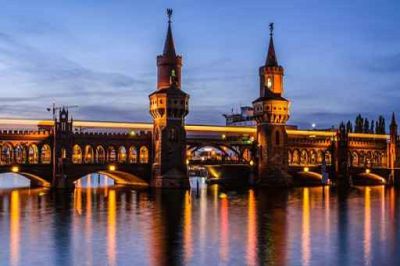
(363, 125)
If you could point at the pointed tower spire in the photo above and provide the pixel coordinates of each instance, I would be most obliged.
(393, 122)
(169, 47)
(271, 56)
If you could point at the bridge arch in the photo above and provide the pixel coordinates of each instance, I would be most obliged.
(111, 154)
(144, 154)
(100, 154)
(7, 154)
(88, 154)
(132, 156)
(33, 154)
(76, 154)
(122, 154)
(303, 157)
(119, 177)
(20, 154)
(45, 154)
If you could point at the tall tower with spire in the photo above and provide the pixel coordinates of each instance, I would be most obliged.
(271, 111)
(169, 106)
(392, 151)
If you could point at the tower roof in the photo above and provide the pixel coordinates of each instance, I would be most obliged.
(271, 56)
(169, 47)
(393, 122)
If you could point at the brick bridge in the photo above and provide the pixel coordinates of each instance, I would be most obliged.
(57, 152)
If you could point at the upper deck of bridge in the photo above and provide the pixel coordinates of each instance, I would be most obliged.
(192, 130)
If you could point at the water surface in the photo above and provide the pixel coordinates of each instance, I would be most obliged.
(107, 225)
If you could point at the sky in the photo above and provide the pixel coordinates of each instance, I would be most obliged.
(340, 57)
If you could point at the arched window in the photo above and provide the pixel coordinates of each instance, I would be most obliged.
(144, 154)
(20, 155)
(100, 154)
(112, 156)
(89, 156)
(121, 154)
(132, 155)
(45, 154)
(33, 154)
(76, 154)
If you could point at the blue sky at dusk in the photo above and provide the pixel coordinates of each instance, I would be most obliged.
(340, 57)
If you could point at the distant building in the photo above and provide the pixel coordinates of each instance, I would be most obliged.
(244, 118)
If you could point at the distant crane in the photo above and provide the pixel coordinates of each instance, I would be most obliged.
(54, 108)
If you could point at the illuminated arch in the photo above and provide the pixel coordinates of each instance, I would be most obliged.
(76, 154)
(100, 154)
(89, 154)
(111, 154)
(355, 159)
(132, 157)
(144, 154)
(122, 154)
(20, 154)
(7, 153)
(303, 157)
(33, 154)
(45, 154)
(320, 156)
(296, 157)
(313, 157)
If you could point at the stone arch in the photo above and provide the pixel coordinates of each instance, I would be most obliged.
(7, 153)
(296, 157)
(303, 157)
(144, 154)
(100, 154)
(33, 154)
(111, 154)
(45, 154)
(320, 156)
(88, 154)
(76, 154)
(122, 154)
(132, 156)
(355, 159)
(313, 157)
(20, 154)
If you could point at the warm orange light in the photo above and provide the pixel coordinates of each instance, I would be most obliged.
(306, 169)
(251, 163)
(15, 169)
(367, 171)
(111, 167)
(223, 136)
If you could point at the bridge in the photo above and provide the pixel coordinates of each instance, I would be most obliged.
(56, 153)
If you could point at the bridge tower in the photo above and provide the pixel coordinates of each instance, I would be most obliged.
(340, 156)
(169, 106)
(271, 111)
(62, 147)
(392, 149)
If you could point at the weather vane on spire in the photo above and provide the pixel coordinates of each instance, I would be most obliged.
(271, 29)
(169, 14)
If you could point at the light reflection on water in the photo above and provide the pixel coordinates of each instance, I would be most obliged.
(120, 226)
